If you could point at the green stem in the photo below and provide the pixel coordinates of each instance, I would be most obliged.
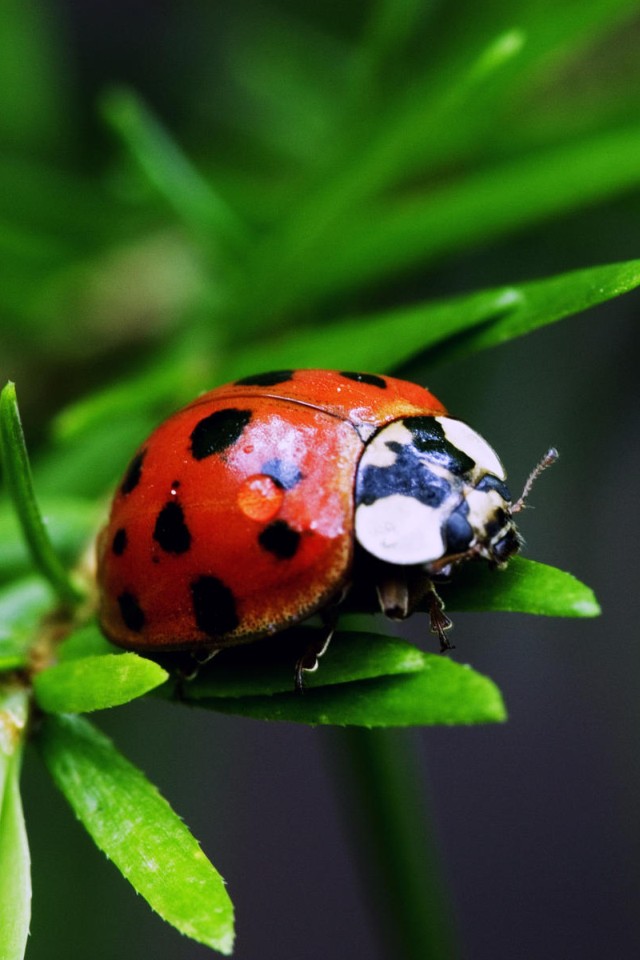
(169, 170)
(401, 862)
(15, 872)
(17, 472)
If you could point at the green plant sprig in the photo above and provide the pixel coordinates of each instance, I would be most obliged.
(17, 472)
(370, 680)
(402, 175)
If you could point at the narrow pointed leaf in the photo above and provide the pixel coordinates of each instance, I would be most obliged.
(379, 342)
(17, 470)
(384, 238)
(442, 693)
(15, 865)
(96, 682)
(268, 667)
(388, 29)
(14, 715)
(166, 167)
(546, 301)
(471, 322)
(137, 829)
(494, 53)
(292, 264)
(15, 875)
(525, 586)
(388, 238)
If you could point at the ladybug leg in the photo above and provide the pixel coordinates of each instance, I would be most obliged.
(400, 590)
(393, 597)
(186, 666)
(308, 662)
(439, 621)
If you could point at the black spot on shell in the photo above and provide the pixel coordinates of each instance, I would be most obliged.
(131, 612)
(214, 606)
(370, 378)
(133, 474)
(286, 474)
(119, 544)
(429, 438)
(218, 431)
(280, 539)
(171, 531)
(270, 379)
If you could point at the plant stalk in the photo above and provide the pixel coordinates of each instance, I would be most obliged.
(389, 817)
(17, 470)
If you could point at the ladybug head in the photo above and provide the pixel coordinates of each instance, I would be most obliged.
(431, 491)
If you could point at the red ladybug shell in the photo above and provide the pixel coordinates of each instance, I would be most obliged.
(235, 519)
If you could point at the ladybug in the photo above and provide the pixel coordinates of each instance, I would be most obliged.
(264, 501)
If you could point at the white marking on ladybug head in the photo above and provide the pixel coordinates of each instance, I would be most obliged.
(378, 453)
(462, 436)
(483, 506)
(399, 529)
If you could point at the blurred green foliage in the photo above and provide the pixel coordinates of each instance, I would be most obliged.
(320, 159)
(322, 165)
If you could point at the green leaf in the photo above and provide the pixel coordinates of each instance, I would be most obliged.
(290, 260)
(288, 73)
(482, 65)
(442, 329)
(17, 471)
(442, 693)
(22, 605)
(15, 864)
(482, 61)
(96, 682)
(524, 586)
(14, 714)
(260, 671)
(69, 521)
(388, 29)
(379, 342)
(512, 195)
(546, 301)
(166, 167)
(137, 829)
(86, 641)
(268, 667)
(423, 123)
(15, 878)
(387, 237)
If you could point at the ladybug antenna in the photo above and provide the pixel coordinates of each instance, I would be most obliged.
(550, 457)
